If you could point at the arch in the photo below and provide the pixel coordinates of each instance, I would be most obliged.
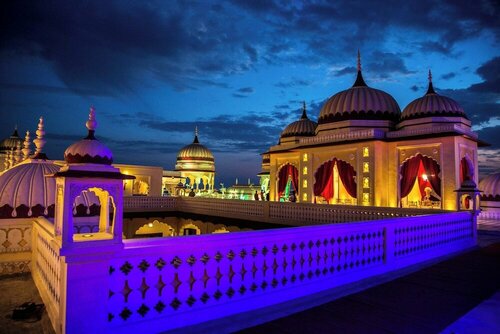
(420, 183)
(155, 227)
(326, 183)
(220, 230)
(287, 174)
(189, 226)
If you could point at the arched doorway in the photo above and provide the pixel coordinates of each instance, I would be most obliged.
(288, 180)
(335, 183)
(420, 184)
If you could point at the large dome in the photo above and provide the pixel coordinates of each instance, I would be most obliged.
(195, 151)
(490, 186)
(359, 102)
(432, 104)
(89, 149)
(26, 185)
(303, 127)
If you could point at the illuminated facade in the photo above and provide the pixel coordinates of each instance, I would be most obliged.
(365, 151)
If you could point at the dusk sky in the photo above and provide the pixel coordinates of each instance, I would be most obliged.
(236, 69)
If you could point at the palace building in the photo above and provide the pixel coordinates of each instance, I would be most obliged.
(365, 151)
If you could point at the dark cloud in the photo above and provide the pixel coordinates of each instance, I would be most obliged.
(386, 63)
(251, 52)
(246, 90)
(345, 70)
(294, 82)
(480, 101)
(448, 76)
(415, 88)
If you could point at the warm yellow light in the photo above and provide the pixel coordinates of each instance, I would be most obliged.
(304, 197)
(150, 225)
(304, 157)
(304, 171)
(304, 183)
(87, 235)
(366, 167)
(366, 182)
(366, 152)
(366, 197)
(424, 177)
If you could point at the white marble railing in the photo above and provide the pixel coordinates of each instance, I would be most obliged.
(162, 284)
(295, 214)
(15, 246)
(46, 269)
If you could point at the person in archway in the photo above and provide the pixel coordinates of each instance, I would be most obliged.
(256, 196)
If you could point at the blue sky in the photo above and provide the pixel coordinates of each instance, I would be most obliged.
(236, 69)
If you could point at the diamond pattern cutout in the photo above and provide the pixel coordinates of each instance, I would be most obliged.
(143, 310)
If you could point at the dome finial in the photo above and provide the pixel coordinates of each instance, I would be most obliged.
(360, 82)
(39, 141)
(196, 141)
(91, 124)
(26, 146)
(304, 112)
(430, 89)
(15, 134)
(18, 156)
(359, 61)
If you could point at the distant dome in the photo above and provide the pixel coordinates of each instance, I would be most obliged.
(26, 184)
(432, 104)
(195, 151)
(490, 186)
(303, 127)
(11, 142)
(195, 157)
(359, 102)
(89, 149)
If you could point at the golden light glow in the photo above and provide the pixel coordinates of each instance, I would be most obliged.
(424, 177)
(304, 184)
(366, 152)
(304, 157)
(366, 197)
(304, 197)
(150, 225)
(366, 182)
(366, 167)
(304, 171)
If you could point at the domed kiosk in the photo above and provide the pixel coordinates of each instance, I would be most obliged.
(88, 170)
(366, 152)
(7, 148)
(196, 164)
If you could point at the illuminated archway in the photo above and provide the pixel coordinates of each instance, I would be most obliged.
(288, 180)
(466, 170)
(420, 184)
(335, 182)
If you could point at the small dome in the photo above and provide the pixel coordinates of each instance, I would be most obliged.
(432, 104)
(303, 127)
(490, 186)
(195, 151)
(11, 142)
(89, 149)
(359, 102)
(26, 184)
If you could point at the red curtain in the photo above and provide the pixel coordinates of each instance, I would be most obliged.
(465, 170)
(324, 180)
(347, 174)
(422, 184)
(288, 171)
(409, 172)
(432, 170)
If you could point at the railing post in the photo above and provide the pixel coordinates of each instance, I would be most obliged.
(266, 212)
(389, 237)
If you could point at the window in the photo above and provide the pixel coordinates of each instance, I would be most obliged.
(366, 197)
(304, 197)
(304, 171)
(366, 152)
(304, 184)
(304, 157)
(366, 167)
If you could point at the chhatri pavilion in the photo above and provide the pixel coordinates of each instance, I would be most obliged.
(365, 151)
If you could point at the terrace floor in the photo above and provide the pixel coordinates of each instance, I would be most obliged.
(458, 295)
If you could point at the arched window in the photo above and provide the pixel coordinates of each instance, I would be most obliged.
(420, 183)
(336, 179)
